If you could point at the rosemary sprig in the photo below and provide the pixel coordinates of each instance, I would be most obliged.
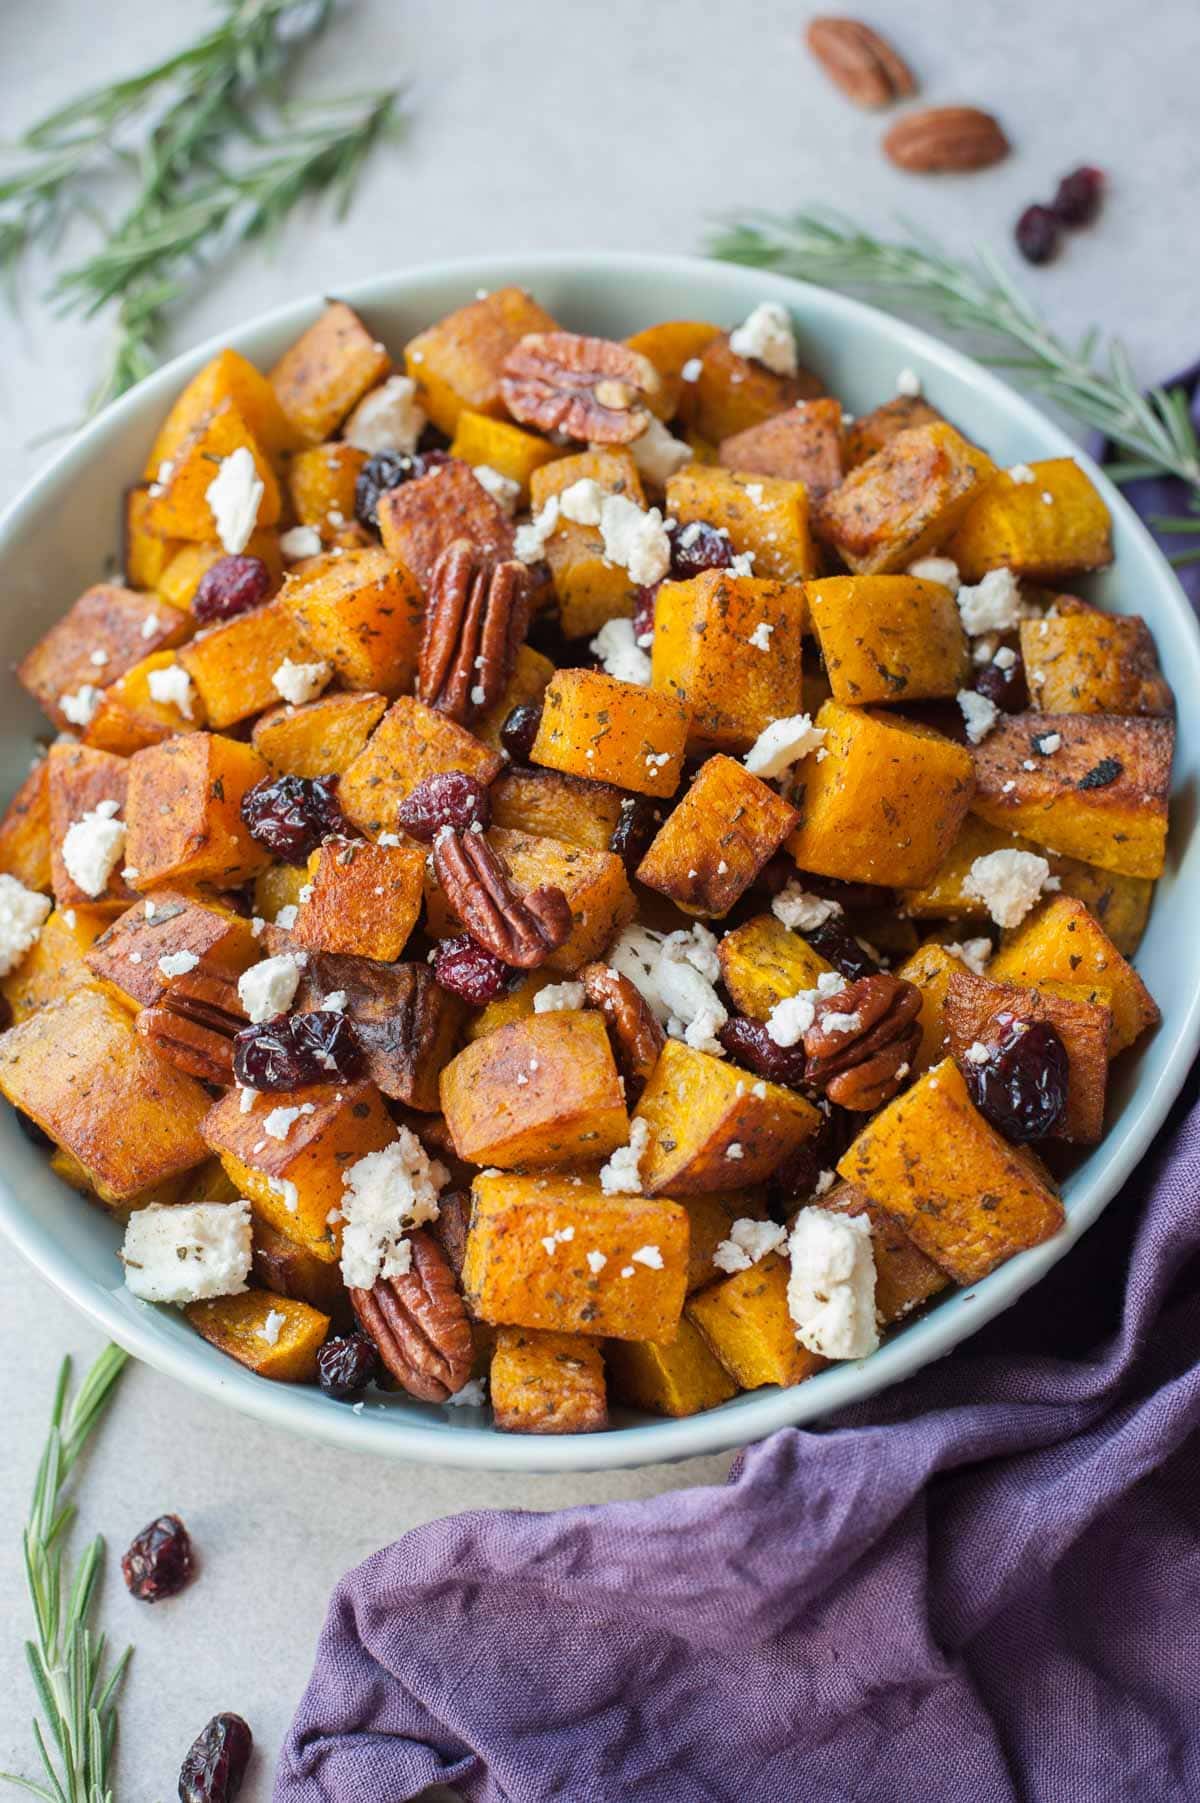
(1094, 383)
(75, 1681)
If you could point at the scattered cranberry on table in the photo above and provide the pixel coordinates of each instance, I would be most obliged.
(1038, 232)
(159, 1562)
(215, 1763)
(1076, 202)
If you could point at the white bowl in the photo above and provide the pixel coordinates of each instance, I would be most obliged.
(61, 534)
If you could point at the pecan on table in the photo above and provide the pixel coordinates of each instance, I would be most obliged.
(945, 138)
(591, 389)
(476, 617)
(419, 1323)
(522, 930)
(864, 1041)
(636, 1036)
(860, 62)
(193, 1024)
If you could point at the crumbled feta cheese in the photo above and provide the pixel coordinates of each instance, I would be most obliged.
(92, 848)
(187, 1252)
(980, 714)
(503, 490)
(783, 743)
(937, 569)
(977, 1053)
(993, 605)
(790, 1019)
(269, 987)
(99, 658)
(531, 539)
(22, 914)
(286, 917)
(766, 336)
(177, 964)
(691, 369)
(621, 1176)
(287, 1190)
(635, 539)
(658, 454)
(300, 541)
(735, 1150)
(973, 952)
(1047, 498)
(1005, 658)
(1021, 473)
(235, 494)
(596, 1262)
(269, 1331)
(556, 997)
(748, 1242)
(387, 1193)
(80, 707)
(908, 382)
(1046, 743)
(760, 638)
(173, 688)
(831, 1289)
(743, 564)
(794, 907)
(471, 1396)
(278, 1122)
(1008, 882)
(150, 626)
(387, 419)
(562, 1236)
(299, 683)
(827, 1179)
(650, 1256)
(334, 1002)
(617, 648)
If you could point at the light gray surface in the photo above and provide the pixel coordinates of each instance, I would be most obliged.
(537, 125)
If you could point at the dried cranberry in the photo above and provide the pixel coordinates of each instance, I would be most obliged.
(291, 1049)
(520, 730)
(1021, 1088)
(643, 613)
(838, 946)
(637, 824)
(231, 586)
(291, 815)
(387, 470)
(346, 1364)
(696, 547)
(748, 1043)
(159, 1560)
(469, 970)
(1078, 196)
(215, 1763)
(448, 798)
(1037, 233)
(1007, 688)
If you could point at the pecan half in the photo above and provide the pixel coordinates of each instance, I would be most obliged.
(637, 1039)
(943, 139)
(588, 388)
(476, 616)
(860, 62)
(419, 1323)
(194, 1022)
(522, 930)
(864, 1041)
(451, 1227)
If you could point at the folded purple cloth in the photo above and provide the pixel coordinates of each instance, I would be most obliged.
(984, 1584)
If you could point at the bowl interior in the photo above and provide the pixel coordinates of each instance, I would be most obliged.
(62, 534)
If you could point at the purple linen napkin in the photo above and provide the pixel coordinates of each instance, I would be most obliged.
(984, 1584)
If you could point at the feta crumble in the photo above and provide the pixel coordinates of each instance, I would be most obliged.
(299, 683)
(676, 975)
(1008, 882)
(80, 707)
(269, 1331)
(178, 964)
(92, 848)
(387, 419)
(620, 654)
(783, 743)
(596, 1262)
(979, 712)
(790, 1019)
(937, 569)
(766, 336)
(503, 490)
(977, 1053)
(269, 987)
(831, 1289)
(235, 494)
(795, 908)
(529, 545)
(974, 953)
(650, 1256)
(1021, 474)
(993, 605)
(472, 1395)
(621, 1176)
(760, 638)
(748, 1242)
(173, 688)
(691, 369)
(387, 1193)
(908, 382)
(659, 454)
(300, 541)
(22, 914)
(634, 537)
(187, 1252)
(556, 997)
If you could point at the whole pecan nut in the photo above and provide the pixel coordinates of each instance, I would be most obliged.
(522, 930)
(475, 619)
(592, 389)
(946, 139)
(419, 1323)
(194, 1022)
(636, 1036)
(864, 1041)
(860, 62)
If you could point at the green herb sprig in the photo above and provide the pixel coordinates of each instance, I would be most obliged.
(75, 1680)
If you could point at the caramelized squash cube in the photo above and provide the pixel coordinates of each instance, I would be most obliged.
(322, 481)
(144, 554)
(1041, 530)
(905, 501)
(288, 1269)
(669, 1377)
(745, 1321)
(712, 1127)
(888, 638)
(228, 377)
(710, 1219)
(178, 507)
(944, 896)
(126, 957)
(547, 1383)
(510, 1005)
(528, 682)
(411, 742)
(321, 738)
(594, 883)
(273, 1336)
(731, 649)
(612, 732)
(554, 806)
(717, 839)
(527, 1261)
(184, 812)
(361, 899)
(233, 664)
(804, 444)
(931, 967)
(1060, 942)
(57, 965)
(129, 718)
(905, 1279)
(327, 371)
(1121, 904)
(884, 804)
(420, 518)
(671, 346)
(872, 431)
(590, 587)
(457, 363)
(1084, 1027)
(1093, 663)
(107, 631)
(406, 1024)
(498, 445)
(732, 393)
(543, 1091)
(363, 614)
(762, 515)
(78, 780)
(763, 962)
(192, 562)
(278, 887)
(25, 830)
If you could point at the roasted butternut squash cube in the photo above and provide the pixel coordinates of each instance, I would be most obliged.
(107, 631)
(1097, 790)
(130, 1120)
(456, 363)
(57, 965)
(712, 1128)
(511, 1005)
(528, 682)
(184, 812)
(1121, 904)
(144, 554)
(273, 1336)
(361, 899)
(1041, 530)
(669, 1377)
(710, 1219)
(420, 518)
(289, 1269)
(191, 563)
(905, 501)
(554, 806)
(499, 445)
(672, 346)
(731, 649)
(590, 587)
(1084, 1026)
(233, 664)
(321, 482)
(885, 802)
(1060, 942)
(745, 1321)
(327, 371)
(716, 839)
(904, 1278)
(322, 738)
(411, 742)
(594, 883)
(1093, 663)
(295, 1183)
(765, 516)
(763, 962)
(527, 1262)
(278, 887)
(944, 896)
(547, 1383)
(804, 444)
(731, 393)
(363, 614)
(612, 732)
(931, 967)
(126, 958)
(228, 377)
(129, 717)
(178, 506)
(25, 830)
(406, 1024)
(872, 431)
(968, 1198)
(78, 781)
(543, 1091)
(888, 638)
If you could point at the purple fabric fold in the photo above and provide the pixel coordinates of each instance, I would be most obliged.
(983, 1584)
